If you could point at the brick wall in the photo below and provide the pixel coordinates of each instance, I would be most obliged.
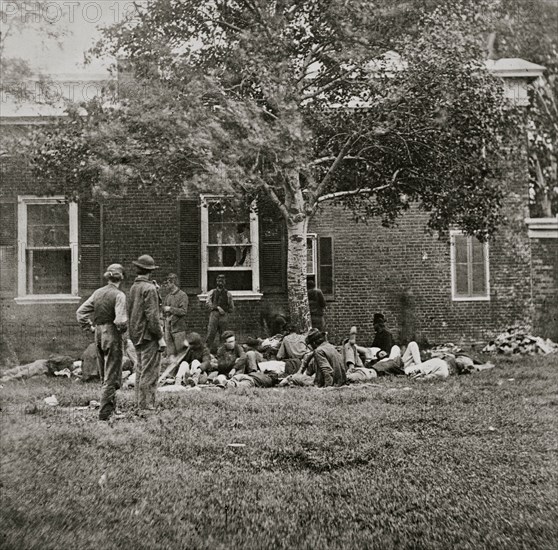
(544, 253)
(405, 273)
(402, 271)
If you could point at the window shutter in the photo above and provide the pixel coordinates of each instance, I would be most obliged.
(189, 262)
(325, 260)
(273, 254)
(90, 233)
(8, 249)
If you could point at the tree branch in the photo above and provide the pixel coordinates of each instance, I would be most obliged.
(314, 193)
(275, 199)
(255, 10)
(365, 191)
(225, 24)
(323, 89)
(328, 159)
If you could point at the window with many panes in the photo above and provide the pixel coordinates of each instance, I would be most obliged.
(469, 268)
(229, 235)
(47, 247)
(319, 262)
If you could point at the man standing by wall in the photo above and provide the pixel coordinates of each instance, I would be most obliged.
(145, 331)
(105, 312)
(175, 308)
(220, 304)
(317, 304)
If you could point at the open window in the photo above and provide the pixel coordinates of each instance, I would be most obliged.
(47, 250)
(469, 268)
(230, 246)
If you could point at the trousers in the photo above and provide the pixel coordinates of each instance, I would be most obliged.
(360, 374)
(109, 361)
(149, 363)
(216, 326)
(190, 372)
(175, 342)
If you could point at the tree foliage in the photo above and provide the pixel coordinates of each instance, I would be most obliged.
(295, 102)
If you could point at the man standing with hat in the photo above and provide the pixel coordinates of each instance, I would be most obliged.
(325, 361)
(105, 313)
(175, 308)
(145, 331)
(220, 303)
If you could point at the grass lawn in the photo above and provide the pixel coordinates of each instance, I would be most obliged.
(471, 462)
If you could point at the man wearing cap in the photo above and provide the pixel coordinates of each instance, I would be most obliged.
(145, 331)
(175, 308)
(220, 304)
(326, 362)
(230, 355)
(105, 313)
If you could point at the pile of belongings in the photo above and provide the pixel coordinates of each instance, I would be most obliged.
(517, 340)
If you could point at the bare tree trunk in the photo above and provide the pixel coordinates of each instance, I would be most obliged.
(296, 272)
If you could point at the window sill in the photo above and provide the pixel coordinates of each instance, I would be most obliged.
(242, 295)
(470, 298)
(47, 299)
(543, 228)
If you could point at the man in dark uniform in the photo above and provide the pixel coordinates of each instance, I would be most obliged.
(145, 331)
(175, 308)
(105, 313)
(220, 304)
(383, 338)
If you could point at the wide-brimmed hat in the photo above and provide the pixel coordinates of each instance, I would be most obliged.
(146, 262)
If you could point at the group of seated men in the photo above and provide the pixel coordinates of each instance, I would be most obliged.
(304, 360)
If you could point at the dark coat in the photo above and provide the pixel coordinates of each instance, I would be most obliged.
(383, 340)
(178, 303)
(144, 318)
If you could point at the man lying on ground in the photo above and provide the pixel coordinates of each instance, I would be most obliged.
(411, 364)
(253, 380)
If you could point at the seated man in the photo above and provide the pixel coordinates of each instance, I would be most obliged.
(383, 338)
(325, 361)
(293, 345)
(359, 356)
(194, 363)
(230, 356)
(253, 356)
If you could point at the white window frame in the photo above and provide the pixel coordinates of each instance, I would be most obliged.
(314, 238)
(459, 298)
(22, 297)
(253, 294)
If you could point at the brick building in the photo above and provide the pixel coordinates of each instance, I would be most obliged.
(433, 288)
